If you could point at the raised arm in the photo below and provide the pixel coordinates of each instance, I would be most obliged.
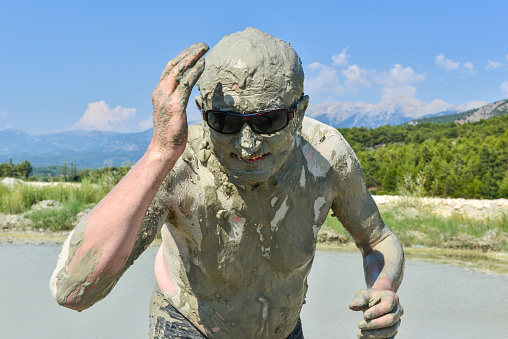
(383, 258)
(116, 231)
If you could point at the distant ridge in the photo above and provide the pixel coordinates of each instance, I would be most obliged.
(485, 112)
(393, 111)
(93, 149)
(96, 149)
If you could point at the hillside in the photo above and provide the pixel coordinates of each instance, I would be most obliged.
(93, 149)
(485, 112)
(448, 160)
(393, 111)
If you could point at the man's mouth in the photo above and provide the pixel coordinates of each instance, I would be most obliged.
(252, 160)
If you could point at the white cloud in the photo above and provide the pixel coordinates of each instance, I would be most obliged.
(398, 81)
(504, 88)
(3, 114)
(99, 116)
(322, 80)
(398, 76)
(356, 77)
(341, 59)
(325, 83)
(493, 65)
(468, 68)
(145, 124)
(468, 65)
(446, 64)
(390, 92)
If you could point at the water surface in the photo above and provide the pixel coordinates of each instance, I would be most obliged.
(440, 301)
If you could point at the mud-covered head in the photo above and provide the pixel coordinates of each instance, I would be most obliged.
(251, 71)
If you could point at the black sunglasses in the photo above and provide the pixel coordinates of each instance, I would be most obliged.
(267, 122)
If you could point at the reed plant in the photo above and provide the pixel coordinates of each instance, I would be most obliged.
(419, 227)
(72, 197)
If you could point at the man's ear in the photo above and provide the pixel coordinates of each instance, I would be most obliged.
(303, 105)
(197, 99)
(300, 113)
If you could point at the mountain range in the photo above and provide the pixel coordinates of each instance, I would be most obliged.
(97, 149)
(485, 112)
(393, 111)
(92, 149)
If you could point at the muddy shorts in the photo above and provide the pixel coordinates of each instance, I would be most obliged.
(167, 322)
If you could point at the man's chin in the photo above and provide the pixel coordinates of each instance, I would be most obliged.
(252, 177)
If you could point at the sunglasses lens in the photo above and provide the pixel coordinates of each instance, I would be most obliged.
(269, 122)
(263, 123)
(224, 122)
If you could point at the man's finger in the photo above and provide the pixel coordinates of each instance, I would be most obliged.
(388, 302)
(388, 332)
(386, 320)
(192, 75)
(361, 301)
(188, 81)
(166, 84)
(169, 83)
(195, 53)
(172, 63)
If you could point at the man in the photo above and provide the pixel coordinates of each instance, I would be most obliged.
(239, 198)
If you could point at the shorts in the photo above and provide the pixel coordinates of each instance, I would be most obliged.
(167, 322)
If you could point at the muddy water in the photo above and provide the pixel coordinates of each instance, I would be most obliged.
(440, 301)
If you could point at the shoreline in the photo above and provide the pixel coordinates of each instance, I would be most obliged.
(489, 262)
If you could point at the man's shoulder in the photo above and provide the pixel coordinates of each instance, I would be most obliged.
(324, 142)
(196, 134)
(316, 132)
(323, 138)
(196, 153)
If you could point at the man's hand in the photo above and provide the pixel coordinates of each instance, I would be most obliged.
(381, 313)
(170, 97)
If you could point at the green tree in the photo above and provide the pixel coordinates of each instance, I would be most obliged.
(72, 176)
(24, 169)
(10, 169)
(390, 180)
(64, 172)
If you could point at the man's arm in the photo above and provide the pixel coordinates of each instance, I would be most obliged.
(383, 258)
(116, 231)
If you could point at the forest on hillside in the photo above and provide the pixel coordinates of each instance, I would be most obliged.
(446, 160)
(428, 159)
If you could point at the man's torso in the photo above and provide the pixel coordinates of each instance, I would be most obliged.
(239, 256)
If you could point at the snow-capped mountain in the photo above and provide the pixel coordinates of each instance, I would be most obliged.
(97, 149)
(393, 111)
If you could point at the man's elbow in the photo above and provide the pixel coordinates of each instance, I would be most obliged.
(71, 298)
(368, 244)
(76, 306)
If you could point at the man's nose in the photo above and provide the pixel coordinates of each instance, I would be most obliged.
(247, 139)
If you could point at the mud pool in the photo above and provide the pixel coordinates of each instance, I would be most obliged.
(440, 301)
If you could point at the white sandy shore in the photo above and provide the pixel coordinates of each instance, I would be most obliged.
(445, 207)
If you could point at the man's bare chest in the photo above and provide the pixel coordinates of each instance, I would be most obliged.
(230, 230)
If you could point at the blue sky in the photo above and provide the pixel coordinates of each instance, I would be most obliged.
(91, 64)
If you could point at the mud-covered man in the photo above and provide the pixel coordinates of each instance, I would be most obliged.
(239, 200)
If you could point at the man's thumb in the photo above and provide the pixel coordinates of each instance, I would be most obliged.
(361, 301)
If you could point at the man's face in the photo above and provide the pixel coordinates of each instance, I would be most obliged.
(250, 72)
(251, 157)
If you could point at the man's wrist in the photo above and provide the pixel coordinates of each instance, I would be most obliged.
(167, 156)
(384, 283)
